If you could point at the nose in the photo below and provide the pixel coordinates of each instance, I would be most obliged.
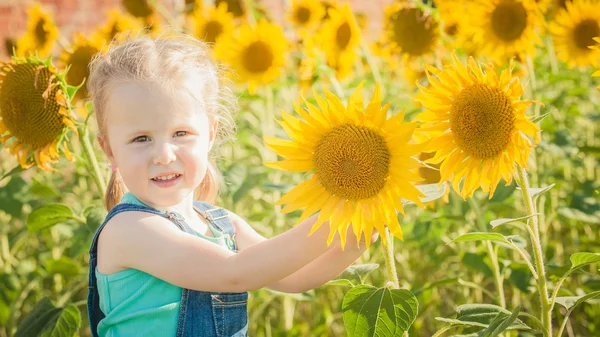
(164, 153)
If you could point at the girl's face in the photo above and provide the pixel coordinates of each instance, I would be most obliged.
(159, 144)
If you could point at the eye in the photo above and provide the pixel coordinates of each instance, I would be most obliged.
(140, 139)
(181, 133)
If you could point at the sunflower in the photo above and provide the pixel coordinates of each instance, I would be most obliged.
(34, 111)
(328, 5)
(410, 30)
(41, 34)
(361, 162)
(483, 124)
(339, 38)
(77, 58)
(256, 53)
(502, 28)
(573, 30)
(218, 22)
(235, 7)
(118, 27)
(450, 15)
(306, 14)
(138, 8)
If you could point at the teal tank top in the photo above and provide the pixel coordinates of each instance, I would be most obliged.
(138, 304)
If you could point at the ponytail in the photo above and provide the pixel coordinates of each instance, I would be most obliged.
(114, 192)
(208, 190)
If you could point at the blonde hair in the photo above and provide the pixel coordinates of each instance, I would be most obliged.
(160, 61)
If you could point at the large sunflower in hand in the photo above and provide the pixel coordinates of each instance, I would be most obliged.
(361, 162)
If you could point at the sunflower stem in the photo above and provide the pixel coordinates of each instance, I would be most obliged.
(390, 262)
(498, 279)
(538, 253)
(552, 55)
(84, 138)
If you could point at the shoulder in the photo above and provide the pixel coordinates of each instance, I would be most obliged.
(121, 229)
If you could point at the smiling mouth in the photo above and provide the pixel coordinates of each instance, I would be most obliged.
(167, 177)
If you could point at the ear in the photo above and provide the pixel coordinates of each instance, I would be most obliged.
(214, 127)
(106, 148)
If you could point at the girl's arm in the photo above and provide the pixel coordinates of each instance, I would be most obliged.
(319, 271)
(325, 268)
(154, 245)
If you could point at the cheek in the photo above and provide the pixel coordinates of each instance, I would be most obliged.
(196, 161)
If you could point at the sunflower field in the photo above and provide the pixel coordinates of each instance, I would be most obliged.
(465, 132)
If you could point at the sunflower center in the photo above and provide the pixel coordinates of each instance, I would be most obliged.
(413, 31)
(29, 117)
(212, 30)
(257, 57)
(352, 162)
(41, 35)
(138, 8)
(509, 20)
(451, 29)
(79, 71)
(302, 15)
(585, 32)
(343, 35)
(235, 7)
(482, 120)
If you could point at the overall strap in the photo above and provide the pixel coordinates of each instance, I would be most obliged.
(217, 216)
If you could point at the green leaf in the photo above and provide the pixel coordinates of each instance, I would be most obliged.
(64, 266)
(431, 191)
(484, 236)
(540, 117)
(340, 282)
(502, 221)
(14, 171)
(482, 315)
(47, 215)
(500, 323)
(579, 260)
(46, 320)
(537, 191)
(357, 272)
(370, 311)
(570, 302)
(72, 90)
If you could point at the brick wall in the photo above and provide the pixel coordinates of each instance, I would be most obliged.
(85, 15)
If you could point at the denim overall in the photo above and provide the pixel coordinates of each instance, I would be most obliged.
(202, 314)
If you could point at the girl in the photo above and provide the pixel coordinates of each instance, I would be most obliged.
(166, 262)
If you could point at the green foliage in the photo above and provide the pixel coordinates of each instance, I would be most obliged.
(370, 311)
